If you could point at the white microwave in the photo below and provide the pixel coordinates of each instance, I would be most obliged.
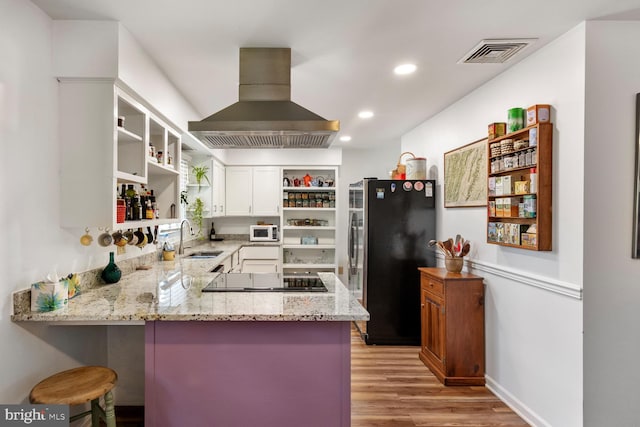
(263, 233)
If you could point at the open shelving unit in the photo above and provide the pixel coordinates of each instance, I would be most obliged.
(105, 131)
(317, 206)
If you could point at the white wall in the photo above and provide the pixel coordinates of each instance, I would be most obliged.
(106, 49)
(30, 61)
(357, 164)
(85, 48)
(140, 72)
(611, 276)
(288, 157)
(533, 335)
(33, 242)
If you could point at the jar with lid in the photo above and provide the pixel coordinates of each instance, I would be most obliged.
(159, 156)
(528, 157)
(534, 156)
(522, 161)
(507, 162)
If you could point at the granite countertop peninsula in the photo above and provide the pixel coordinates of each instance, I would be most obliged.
(171, 291)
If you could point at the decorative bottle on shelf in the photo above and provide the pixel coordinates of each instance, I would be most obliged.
(212, 233)
(129, 194)
(154, 206)
(149, 213)
(137, 209)
(111, 273)
(533, 177)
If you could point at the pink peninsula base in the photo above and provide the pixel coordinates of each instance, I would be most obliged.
(247, 374)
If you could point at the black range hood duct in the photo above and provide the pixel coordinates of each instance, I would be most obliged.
(265, 116)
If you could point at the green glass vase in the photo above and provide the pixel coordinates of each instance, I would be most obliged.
(111, 273)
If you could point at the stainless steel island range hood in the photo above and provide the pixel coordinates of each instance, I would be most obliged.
(265, 116)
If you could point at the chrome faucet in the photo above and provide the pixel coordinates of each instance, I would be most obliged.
(181, 247)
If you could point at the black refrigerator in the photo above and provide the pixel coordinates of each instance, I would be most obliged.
(391, 223)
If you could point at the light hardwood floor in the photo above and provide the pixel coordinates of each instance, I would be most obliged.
(391, 387)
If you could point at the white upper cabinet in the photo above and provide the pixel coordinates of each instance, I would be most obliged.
(238, 192)
(105, 135)
(218, 201)
(266, 191)
(252, 191)
(211, 189)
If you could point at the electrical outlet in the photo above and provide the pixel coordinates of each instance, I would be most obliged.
(340, 269)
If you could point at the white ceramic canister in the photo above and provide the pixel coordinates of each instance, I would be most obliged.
(417, 168)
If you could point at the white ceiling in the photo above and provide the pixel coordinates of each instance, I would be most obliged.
(343, 51)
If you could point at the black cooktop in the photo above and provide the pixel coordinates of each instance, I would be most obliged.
(265, 282)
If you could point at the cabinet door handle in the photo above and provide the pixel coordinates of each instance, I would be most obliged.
(249, 208)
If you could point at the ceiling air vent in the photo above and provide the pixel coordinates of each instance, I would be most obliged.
(495, 51)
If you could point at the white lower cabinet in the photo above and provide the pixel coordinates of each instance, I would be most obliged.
(260, 259)
(259, 266)
(226, 265)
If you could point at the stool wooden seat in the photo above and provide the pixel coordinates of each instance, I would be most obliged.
(78, 386)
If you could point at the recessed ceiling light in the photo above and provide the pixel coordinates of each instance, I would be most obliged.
(365, 114)
(345, 138)
(405, 69)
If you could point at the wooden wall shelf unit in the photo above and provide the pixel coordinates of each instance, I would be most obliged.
(452, 318)
(508, 226)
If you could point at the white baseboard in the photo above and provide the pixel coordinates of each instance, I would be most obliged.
(516, 405)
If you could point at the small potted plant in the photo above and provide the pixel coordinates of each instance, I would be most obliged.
(196, 214)
(200, 172)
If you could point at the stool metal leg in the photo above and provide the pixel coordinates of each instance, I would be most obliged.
(95, 412)
(110, 413)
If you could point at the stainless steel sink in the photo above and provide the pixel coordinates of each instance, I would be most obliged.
(204, 254)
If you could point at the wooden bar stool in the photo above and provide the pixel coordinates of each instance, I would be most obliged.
(77, 386)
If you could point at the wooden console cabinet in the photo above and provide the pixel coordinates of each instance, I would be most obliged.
(452, 317)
